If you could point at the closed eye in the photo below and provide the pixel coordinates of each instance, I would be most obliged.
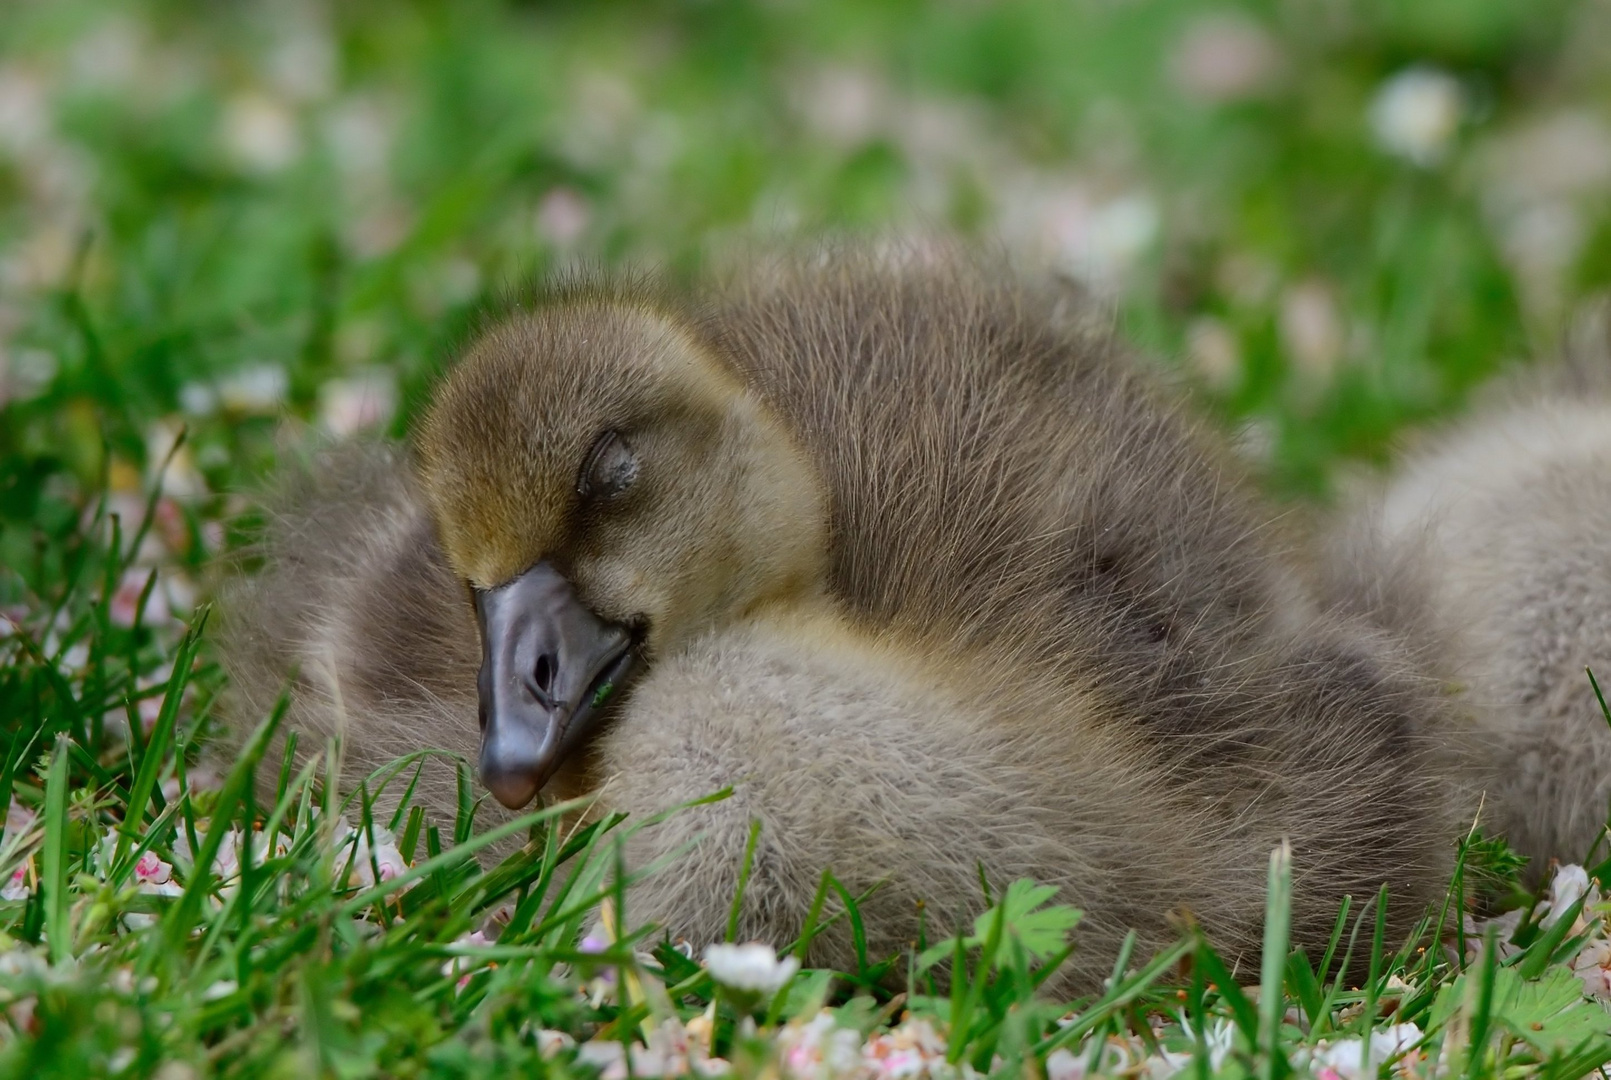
(609, 468)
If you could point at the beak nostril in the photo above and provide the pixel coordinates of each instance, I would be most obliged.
(544, 676)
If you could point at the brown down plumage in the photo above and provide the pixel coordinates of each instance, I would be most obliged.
(934, 574)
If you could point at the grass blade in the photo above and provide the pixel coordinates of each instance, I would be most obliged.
(1482, 989)
(743, 879)
(55, 854)
(177, 922)
(1277, 932)
(158, 745)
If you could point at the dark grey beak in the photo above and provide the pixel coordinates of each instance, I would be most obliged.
(547, 665)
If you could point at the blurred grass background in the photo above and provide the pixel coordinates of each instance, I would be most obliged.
(246, 221)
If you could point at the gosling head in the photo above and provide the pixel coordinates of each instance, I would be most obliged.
(608, 488)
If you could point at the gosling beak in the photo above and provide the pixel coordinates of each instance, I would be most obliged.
(547, 664)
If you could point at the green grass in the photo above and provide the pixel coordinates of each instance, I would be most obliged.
(295, 961)
(220, 223)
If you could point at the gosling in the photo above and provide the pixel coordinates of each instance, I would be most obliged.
(934, 575)
(1496, 538)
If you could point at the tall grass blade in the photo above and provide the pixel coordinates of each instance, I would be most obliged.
(743, 879)
(1481, 1009)
(54, 858)
(176, 924)
(162, 736)
(1277, 931)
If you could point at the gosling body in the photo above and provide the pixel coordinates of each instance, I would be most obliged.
(935, 579)
(1496, 534)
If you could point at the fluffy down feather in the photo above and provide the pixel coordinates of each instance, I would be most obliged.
(1495, 533)
(1056, 635)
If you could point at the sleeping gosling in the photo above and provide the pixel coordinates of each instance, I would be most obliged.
(937, 578)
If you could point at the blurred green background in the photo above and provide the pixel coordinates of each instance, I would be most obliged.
(250, 221)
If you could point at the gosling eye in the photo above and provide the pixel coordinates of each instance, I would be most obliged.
(609, 469)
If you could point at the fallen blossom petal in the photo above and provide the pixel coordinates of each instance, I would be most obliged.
(754, 967)
(1224, 57)
(124, 606)
(1416, 113)
(909, 1051)
(1348, 1059)
(1342, 1059)
(562, 216)
(464, 966)
(1064, 1065)
(17, 887)
(370, 866)
(199, 779)
(220, 989)
(150, 869)
(1504, 927)
(260, 132)
(259, 388)
(366, 400)
(198, 399)
(19, 960)
(226, 863)
(1393, 1040)
(1593, 966)
(1569, 885)
(667, 1052)
(170, 463)
(607, 1056)
(75, 659)
(551, 1042)
(20, 1014)
(19, 819)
